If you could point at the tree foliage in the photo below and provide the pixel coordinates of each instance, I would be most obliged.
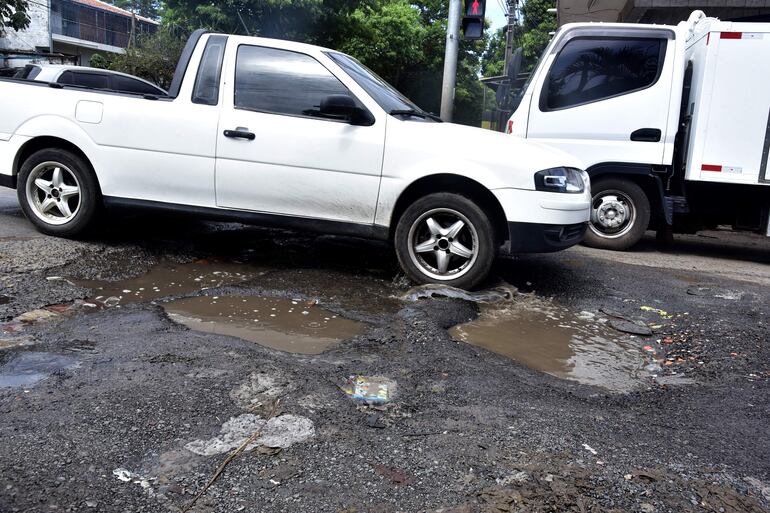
(154, 57)
(13, 15)
(531, 33)
(147, 8)
(537, 25)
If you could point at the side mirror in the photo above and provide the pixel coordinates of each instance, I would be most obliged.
(342, 106)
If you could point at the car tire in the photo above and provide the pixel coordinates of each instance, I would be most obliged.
(620, 214)
(58, 192)
(447, 239)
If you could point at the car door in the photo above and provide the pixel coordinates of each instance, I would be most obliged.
(275, 152)
(605, 98)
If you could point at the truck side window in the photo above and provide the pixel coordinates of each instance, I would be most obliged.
(206, 90)
(590, 69)
(282, 82)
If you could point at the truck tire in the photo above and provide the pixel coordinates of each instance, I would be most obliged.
(620, 214)
(58, 192)
(447, 239)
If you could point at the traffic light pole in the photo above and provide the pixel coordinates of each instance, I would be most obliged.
(450, 59)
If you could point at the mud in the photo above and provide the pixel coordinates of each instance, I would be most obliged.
(294, 326)
(554, 339)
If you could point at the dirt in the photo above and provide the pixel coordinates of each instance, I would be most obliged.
(466, 429)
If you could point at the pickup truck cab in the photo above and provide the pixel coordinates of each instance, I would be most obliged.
(287, 134)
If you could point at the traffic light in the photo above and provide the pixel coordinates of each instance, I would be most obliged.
(473, 19)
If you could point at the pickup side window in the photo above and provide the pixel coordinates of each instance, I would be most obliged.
(590, 69)
(282, 82)
(206, 90)
(82, 79)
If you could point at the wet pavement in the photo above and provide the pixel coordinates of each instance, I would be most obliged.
(132, 364)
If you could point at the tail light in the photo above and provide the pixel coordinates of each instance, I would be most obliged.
(509, 130)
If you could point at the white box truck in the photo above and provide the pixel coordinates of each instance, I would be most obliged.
(672, 123)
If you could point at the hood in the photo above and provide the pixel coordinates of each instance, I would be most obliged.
(497, 160)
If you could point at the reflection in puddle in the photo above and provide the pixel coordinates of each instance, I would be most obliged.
(28, 368)
(552, 339)
(169, 279)
(293, 326)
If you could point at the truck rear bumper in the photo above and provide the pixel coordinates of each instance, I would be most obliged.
(543, 238)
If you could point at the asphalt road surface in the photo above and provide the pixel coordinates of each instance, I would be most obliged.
(135, 363)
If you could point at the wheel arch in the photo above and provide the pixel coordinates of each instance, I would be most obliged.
(644, 176)
(46, 142)
(449, 182)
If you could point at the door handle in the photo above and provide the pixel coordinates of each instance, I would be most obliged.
(240, 133)
(646, 135)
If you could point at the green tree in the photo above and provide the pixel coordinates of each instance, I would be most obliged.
(537, 25)
(13, 15)
(98, 60)
(154, 57)
(387, 39)
(493, 60)
(147, 8)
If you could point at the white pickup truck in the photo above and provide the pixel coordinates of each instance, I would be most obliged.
(286, 134)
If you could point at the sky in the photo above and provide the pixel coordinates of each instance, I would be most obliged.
(494, 14)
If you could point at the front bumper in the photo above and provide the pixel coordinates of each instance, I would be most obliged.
(543, 238)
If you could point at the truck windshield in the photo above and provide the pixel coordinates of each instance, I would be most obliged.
(383, 93)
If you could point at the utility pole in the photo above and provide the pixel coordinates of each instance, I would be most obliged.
(450, 59)
(512, 5)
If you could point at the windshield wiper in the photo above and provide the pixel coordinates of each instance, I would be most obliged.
(415, 113)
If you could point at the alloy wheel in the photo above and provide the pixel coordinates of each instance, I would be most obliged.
(443, 244)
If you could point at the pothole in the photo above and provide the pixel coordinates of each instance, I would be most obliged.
(555, 340)
(294, 326)
(29, 368)
(4, 300)
(170, 279)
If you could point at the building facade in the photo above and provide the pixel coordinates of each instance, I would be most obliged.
(663, 12)
(71, 31)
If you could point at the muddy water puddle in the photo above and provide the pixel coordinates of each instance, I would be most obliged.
(170, 279)
(555, 340)
(28, 368)
(294, 326)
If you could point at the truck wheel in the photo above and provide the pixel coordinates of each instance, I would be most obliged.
(445, 238)
(58, 192)
(620, 214)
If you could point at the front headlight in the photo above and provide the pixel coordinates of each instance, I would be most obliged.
(560, 179)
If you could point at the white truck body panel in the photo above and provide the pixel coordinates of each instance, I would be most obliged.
(730, 102)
